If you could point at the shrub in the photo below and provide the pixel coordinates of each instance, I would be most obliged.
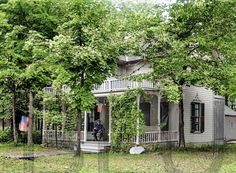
(6, 135)
(123, 147)
(37, 138)
(22, 138)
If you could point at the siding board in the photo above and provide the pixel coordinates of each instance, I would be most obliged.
(207, 97)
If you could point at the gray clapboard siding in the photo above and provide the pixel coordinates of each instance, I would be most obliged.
(230, 127)
(173, 117)
(219, 104)
(207, 97)
(134, 69)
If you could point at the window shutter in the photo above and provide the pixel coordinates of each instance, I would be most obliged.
(202, 117)
(192, 117)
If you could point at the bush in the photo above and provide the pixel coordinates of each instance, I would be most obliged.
(22, 137)
(6, 135)
(151, 147)
(125, 147)
(37, 138)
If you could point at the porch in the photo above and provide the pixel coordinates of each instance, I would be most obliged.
(54, 136)
(68, 139)
(159, 126)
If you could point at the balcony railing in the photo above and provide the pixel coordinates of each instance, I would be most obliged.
(116, 84)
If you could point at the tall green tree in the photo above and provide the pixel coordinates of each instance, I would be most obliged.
(9, 77)
(85, 52)
(30, 24)
(195, 45)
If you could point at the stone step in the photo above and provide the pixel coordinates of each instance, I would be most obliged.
(95, 144)
(92, 151)
(94, 147)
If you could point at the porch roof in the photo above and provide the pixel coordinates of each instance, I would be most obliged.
(229, 111)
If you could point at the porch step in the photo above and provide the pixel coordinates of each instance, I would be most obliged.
(94, 147)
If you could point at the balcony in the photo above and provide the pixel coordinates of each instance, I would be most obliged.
(120, 85)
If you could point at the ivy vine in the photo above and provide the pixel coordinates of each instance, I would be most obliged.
(125, 113)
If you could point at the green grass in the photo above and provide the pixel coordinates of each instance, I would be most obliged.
(193, 160)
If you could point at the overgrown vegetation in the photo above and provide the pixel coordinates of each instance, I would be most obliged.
(125, 114)
(6, 135)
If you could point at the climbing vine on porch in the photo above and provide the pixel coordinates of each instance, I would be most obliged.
(125, 113)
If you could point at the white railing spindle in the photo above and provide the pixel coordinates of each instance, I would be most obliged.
(116, 84)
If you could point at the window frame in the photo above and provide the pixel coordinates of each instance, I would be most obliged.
(197, 117)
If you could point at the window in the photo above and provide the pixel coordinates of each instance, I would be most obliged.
(197, 117)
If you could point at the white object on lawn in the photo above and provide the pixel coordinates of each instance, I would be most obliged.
(136, 150)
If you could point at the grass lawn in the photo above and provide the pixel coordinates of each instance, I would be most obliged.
(161, 161)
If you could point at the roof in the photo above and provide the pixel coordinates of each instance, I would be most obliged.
(129, 59)
(229, 111)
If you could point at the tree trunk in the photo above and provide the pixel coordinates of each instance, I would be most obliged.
(79, 115)
(56, 137)
(63, 112)
(30, 137)
(3, 124)
(14, 116)
(44, 124)
(181, 121)
(227, 100)
(78, 148)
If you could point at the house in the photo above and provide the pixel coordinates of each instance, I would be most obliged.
(230, 124)
(203, 110)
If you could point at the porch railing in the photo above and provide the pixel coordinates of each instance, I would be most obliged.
(53, 135)
(146, 138)
(116, 84)
(155, 137)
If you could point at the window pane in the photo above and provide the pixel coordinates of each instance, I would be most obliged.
(197, 120)
(196, 113)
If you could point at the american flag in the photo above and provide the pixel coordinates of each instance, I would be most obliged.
(24, 124)
(100, 107)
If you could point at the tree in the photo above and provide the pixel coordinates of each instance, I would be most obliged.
(195, 45)
(85, 52)
(30, 24)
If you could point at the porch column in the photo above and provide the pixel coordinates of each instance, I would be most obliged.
(159, 112)
(110, 121)
(137, 135)
(85, 126)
